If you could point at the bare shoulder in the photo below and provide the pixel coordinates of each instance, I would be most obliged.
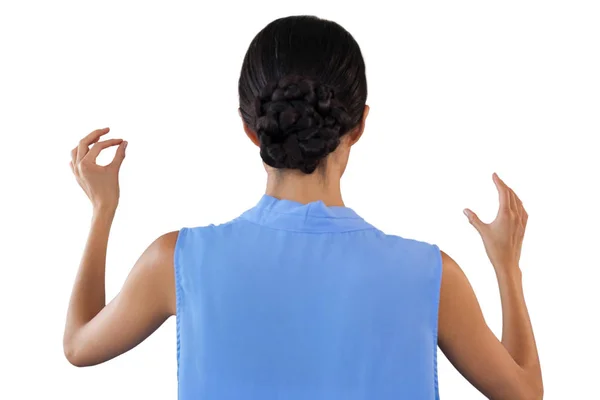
(155, 268)
(166, 242)
(454, 280)
(164, 245)
(456, 289)
(449, 265)
(159, 253)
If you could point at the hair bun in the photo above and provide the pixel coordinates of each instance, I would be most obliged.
(298, 122)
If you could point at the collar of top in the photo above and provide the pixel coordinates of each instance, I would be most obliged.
(312, 217)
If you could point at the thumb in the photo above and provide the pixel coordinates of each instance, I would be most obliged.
(474, 220)
(119, 155)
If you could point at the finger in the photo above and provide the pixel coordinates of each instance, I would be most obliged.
(474, 220)
(503, 193)
(514, 200)
(119, 155)
(92, 138)
(98, 147)
(73, 161)
(74, 155)
(524, 218)
(517, 199)
(71, 165)
(520, 209)
(514, 204)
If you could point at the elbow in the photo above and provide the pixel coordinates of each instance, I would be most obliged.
(73, 355)
(538, 393)
(535, 395)
(538, 387)
(535, 391)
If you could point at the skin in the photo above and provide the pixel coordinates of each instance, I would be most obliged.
(96, 332)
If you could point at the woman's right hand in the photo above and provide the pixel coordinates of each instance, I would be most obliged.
(503, 237)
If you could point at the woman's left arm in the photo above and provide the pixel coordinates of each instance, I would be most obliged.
(95, 331)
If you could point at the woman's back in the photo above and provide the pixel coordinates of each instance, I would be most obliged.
(305, 301)
(296, 299)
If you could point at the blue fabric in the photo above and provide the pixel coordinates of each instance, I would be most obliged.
(305, 302)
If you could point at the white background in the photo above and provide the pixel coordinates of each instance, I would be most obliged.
(457, 91)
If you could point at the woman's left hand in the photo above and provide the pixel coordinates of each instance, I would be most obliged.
(100, 183)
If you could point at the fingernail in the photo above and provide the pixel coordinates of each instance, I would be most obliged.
(466, 213)
(124, 145)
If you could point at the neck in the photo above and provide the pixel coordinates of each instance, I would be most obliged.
(302, 188)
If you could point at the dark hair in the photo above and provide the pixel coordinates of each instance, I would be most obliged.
(302, 86)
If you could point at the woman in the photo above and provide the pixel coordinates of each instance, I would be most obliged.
(299, 297)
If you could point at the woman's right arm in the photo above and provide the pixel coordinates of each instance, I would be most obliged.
(507, 369)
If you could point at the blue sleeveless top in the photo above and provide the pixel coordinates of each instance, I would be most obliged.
(299, 301)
